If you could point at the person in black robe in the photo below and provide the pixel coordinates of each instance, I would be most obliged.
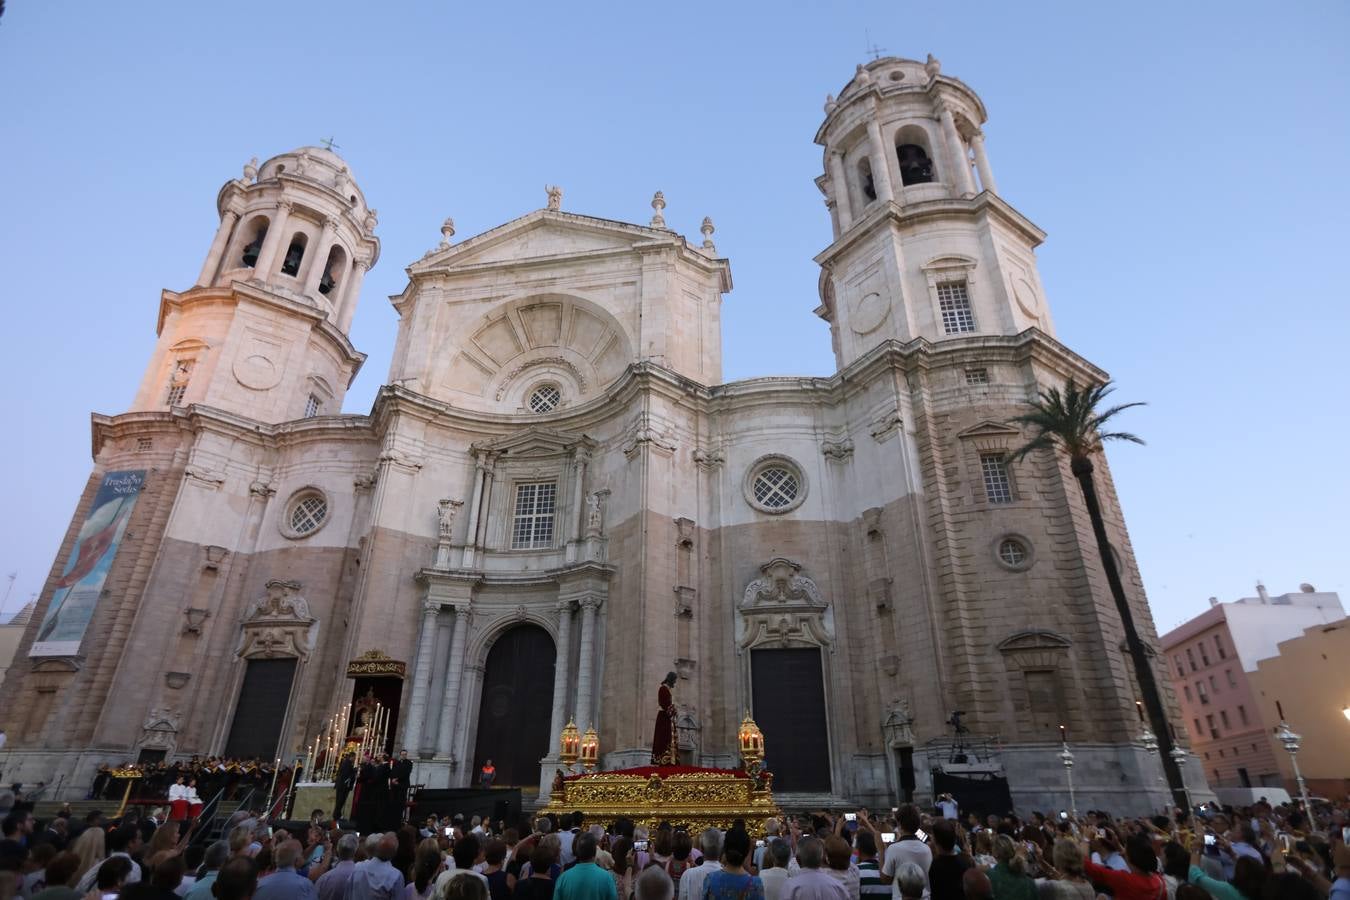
(400, 779)
(363, 810)
(384, 820)
(346, 777)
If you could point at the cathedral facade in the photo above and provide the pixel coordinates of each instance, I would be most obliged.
(555, 499)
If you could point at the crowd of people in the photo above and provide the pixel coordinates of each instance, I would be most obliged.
(1254, 853)
(208, 776)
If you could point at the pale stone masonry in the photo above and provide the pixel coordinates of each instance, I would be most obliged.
(555, 458)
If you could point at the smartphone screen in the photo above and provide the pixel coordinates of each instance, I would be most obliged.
(921, 835)
(449, 832)
(888, 837)
(1063, 816)
(759, 843)
(850, 817)
(1209, 840)
(640, 845)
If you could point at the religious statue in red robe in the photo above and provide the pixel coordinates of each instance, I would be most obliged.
(663, 739)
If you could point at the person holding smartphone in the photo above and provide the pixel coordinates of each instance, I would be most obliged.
(907, 847)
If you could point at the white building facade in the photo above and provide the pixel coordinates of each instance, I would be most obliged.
(555, 498)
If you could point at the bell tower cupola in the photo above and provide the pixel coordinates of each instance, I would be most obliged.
(924, 245)
(263, 333)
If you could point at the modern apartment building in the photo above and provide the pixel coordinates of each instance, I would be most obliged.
(1211, 660)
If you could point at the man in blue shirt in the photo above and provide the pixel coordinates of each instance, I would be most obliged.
(286, 883)
(585, 880)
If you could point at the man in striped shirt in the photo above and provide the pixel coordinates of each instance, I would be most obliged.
(869, 870)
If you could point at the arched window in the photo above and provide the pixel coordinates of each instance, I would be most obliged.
(294, 254)
(250, 255)
(332, 270)
(914, 155)
(865, 183)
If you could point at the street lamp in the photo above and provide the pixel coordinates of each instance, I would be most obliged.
(1291, 745)
(1066, 757)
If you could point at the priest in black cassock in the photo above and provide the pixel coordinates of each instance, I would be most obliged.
(346, 777)
(384, 821)
(400, 779)
(363, 809)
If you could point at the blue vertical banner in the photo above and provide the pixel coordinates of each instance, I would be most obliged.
(81, 582)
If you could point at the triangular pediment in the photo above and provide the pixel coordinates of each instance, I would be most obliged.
(540, 235)
(989, 428)
(534, 442)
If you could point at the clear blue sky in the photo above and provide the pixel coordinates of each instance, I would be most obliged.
(1187, 159)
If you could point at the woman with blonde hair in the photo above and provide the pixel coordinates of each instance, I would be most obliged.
(90, 848)
(1069, 882)
(1009, 875)
(427, 864)
(164, 838)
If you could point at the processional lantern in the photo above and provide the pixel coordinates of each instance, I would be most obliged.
(590, 750)
(751, 740)
(569, 744)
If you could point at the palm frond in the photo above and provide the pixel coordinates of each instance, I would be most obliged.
(1068, 418)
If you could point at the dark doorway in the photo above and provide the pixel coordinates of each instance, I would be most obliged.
(150, 757)
(517, 703)
(906, 774)
(261, 710)
(789, 707)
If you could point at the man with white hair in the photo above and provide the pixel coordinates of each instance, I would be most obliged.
(772, 829)
(332, 885)
(691, 882)
(376, 879)
(654, 884)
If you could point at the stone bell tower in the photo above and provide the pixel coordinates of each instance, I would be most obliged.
(924, 245)
(263, 333)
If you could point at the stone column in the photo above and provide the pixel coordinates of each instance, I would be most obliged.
(276, 232)
(350, 291)
(881, 162)
(982, 163)
(471, 535)
(586, 663)
(318, 259)
(839, 182)
(961, 178)
(227, 223)
(454, 674)
(426, 652)
(561, 673)
(480, 539)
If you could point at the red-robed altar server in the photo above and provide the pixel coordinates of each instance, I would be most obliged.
(663, 739)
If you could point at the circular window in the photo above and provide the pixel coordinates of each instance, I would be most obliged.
(545, 398)
(1013, 552)
(775, 485)
(307, 513)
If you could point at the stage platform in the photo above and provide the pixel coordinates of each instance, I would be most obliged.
(686, 796)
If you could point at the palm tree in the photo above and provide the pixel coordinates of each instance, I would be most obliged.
(1072, 421)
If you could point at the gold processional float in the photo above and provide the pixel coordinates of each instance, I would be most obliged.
(685, 796)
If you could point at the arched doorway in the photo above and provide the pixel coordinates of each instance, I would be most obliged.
(517, 703)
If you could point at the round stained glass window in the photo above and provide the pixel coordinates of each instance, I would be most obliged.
(1013, 553)
(308, 514)
(545, 398)
(775, 487)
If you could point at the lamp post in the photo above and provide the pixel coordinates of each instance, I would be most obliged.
(569, 745)
(1179, 757)
(1066, 757)
(1291, 745)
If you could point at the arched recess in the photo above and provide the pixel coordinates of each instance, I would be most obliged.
(914, 153)
(516, 702)
(785, 634)
(566, 338)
